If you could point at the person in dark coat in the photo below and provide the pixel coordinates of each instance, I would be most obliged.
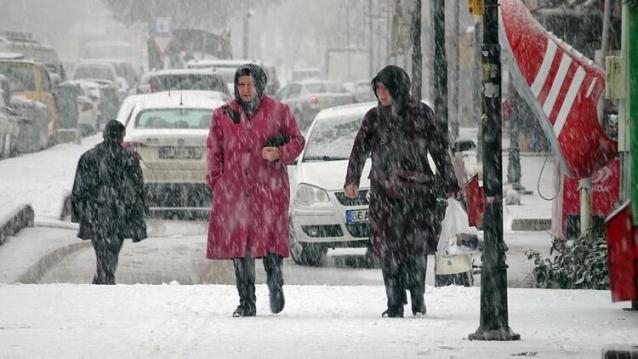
(108, 200)
(398, 133)
(251, 141)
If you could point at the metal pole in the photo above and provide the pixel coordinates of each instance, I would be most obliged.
(494, 313)
(477, 104)
(245, 36)
(456, 99)
(370, 37)
(440, 67)
(417, 57)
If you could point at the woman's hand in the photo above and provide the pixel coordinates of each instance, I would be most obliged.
(270, 153)
(351, 191)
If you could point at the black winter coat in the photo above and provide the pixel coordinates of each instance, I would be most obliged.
(403, 195)
(108, 194)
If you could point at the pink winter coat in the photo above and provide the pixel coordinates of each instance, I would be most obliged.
(251, 195)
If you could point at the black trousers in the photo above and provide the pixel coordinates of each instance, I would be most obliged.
(107, 251)
(409, 275)
(245, 276)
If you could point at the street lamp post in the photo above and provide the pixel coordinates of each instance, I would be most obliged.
(245, 34)
(494, 313)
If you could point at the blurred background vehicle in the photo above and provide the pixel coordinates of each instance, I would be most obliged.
(183, 79)
(306, 98)
(167, 131)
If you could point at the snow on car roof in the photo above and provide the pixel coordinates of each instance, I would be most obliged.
(345, 110)
(183, 98)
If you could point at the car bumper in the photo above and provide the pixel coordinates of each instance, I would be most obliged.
(328, 227)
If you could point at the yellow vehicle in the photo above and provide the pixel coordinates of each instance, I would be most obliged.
(31, 79)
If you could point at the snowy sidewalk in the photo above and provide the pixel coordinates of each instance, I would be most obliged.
(175, 321)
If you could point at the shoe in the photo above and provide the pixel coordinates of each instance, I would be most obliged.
(245, 311)
(277, 300)
(393, 312)
(419, 311)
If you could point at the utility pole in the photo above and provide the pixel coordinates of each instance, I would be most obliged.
(477, 106)
(370, 38)
(440, 67)
(632, 103)
(494, 313)
(417, 57)
(456, 99)
(245, 34)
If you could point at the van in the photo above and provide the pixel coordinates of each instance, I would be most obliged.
(31, 79)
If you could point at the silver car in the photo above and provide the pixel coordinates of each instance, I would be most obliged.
(321, 216)
(306, 98)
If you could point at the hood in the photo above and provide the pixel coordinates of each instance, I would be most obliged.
(261, 80)
(397, 81)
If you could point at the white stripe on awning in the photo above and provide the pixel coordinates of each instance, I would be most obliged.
(541, 76)
(570, 97)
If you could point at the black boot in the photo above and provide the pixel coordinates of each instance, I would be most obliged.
(393, 312)
(245, 281)
(245, 310)
(394, 289)
(274, 277)
(415, 281)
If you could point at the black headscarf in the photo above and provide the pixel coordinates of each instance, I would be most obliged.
(261, 80)
(397, 81)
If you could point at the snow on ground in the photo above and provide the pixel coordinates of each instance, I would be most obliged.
(175, 321)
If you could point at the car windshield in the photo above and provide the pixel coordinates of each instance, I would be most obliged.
(182, 118)
(188, 82)
(331, 139)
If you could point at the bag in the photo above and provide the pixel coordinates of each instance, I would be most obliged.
(457, 237)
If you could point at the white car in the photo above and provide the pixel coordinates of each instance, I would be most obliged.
(321, 216)
(168, 131)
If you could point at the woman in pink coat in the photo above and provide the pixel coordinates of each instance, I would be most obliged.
(250, 142)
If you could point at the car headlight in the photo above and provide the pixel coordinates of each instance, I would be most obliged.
(308, 195)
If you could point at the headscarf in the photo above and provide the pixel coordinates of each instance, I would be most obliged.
(397, 81)
(261, 81)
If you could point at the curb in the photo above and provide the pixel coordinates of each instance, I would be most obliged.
(35, 272)
(15, 221)
(531, 224)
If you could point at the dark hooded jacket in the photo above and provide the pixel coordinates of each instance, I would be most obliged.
(403, 197)
(108, 192)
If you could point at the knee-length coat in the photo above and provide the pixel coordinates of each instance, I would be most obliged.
(251, 195)
(403, 197)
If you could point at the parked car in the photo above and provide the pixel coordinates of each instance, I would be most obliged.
(321, 216)
(306, 98)
(168, 132)
(30, 80)
(228, 67)
(183, 79)
(105, 73)
(362, 90)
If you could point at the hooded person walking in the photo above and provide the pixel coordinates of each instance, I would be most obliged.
(398, 134)
(251, 141)
(108, 200)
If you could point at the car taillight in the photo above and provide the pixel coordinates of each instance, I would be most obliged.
(313, 100)
(133, 147)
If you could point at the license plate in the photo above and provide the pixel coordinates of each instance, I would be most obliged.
(356, 216)
(180, 153)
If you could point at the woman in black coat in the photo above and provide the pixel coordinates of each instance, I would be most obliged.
(108, 200)
(398, 134)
